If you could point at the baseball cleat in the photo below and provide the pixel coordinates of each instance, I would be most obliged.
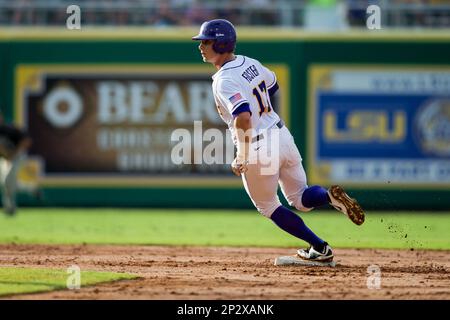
(349, 206)
(312, 254)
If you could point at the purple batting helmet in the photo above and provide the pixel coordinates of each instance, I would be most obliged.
(221, 31)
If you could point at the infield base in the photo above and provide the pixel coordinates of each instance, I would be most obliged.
(294, 260)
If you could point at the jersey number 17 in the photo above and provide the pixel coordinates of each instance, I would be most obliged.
(260, 92)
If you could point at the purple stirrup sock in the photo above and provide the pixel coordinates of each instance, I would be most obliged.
(293, 224)
(315, 196)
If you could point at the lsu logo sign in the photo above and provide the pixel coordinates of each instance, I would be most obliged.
(370, 126)
(365, 126)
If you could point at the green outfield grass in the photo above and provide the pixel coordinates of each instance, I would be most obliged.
(419, 230)
(29, 280)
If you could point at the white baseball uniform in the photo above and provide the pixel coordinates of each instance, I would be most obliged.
(244, 84)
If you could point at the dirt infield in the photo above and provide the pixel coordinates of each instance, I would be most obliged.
(237, 273)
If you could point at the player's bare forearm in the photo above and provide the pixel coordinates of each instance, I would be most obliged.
(243, 126)
(243, 122)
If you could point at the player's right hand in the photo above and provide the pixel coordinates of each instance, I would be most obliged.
(239, 167)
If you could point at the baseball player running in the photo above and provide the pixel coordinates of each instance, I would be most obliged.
(244, 94)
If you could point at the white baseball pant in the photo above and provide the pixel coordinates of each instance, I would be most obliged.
(275, 159)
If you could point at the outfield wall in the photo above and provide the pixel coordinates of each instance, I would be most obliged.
(370, 111)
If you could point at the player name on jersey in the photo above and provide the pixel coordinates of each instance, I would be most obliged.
(250, 73)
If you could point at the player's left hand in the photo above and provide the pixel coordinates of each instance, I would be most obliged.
(239, 167)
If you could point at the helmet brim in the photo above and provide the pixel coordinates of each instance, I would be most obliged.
(202, 37)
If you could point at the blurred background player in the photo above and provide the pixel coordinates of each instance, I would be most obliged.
(242, 89)
(14, 143)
